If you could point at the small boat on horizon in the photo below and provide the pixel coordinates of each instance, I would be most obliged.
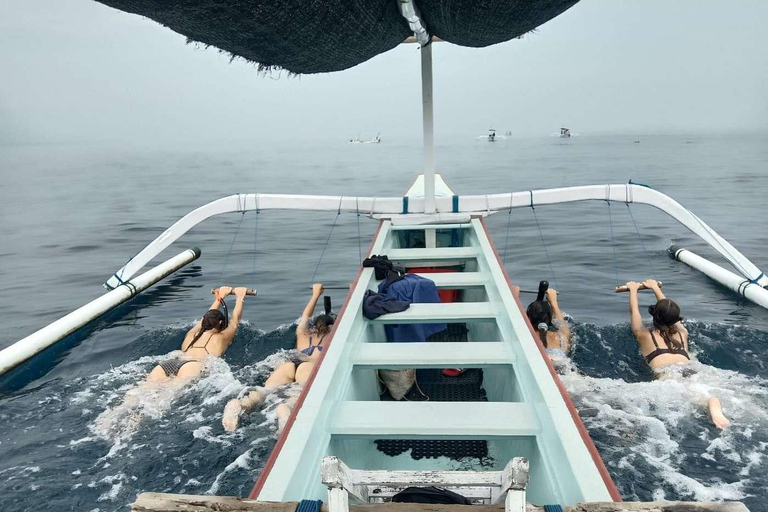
(565, 133)
(491, 137)
(375, 140)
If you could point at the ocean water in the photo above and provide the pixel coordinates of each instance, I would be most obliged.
(71, 216)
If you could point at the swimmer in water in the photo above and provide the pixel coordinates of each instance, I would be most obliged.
(554, 333)
(666, 344)
(309, 347)
(211, 336)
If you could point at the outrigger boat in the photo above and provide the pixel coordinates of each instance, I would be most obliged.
(375, 140)
(508, 419)
(492, 136)
(507, 422)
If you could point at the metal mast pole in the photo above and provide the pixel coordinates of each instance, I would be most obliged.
(429, 129)
(411, 14)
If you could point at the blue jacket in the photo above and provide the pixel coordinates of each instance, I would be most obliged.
(415, 289)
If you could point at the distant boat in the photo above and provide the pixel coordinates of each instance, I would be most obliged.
(565, 133)
(491, 137)
(375, 140)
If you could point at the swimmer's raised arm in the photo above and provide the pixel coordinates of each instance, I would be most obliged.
(557, 313)
(303, 327)
(237, 313)
(652, 284)
(635, 318)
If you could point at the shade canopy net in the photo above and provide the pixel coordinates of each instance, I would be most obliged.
(318, 36)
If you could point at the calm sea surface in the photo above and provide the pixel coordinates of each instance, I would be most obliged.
(71, 216)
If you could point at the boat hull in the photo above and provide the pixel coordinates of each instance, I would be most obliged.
(524, 411)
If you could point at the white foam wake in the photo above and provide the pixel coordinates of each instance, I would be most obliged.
(645, 423)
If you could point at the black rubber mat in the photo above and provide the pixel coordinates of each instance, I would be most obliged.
(454, 333)
(467, 387)
(432, 448)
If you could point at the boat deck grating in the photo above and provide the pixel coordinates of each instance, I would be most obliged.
(433, 448)
(455, 333)
(468, 387)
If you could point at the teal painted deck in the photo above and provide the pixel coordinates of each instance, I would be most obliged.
(525, 414)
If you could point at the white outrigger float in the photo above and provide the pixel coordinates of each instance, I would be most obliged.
(518, 435)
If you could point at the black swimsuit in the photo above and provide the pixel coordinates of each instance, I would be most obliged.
(666, 350)
(171, 367)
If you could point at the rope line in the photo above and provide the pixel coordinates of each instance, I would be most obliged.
(647, 256)
(506, 239)
(327, 241)
(541, 236)
(226, 258)
(255, 244)
(613, 244)
(359, 246)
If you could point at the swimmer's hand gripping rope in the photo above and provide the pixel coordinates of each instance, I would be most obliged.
(621, 289)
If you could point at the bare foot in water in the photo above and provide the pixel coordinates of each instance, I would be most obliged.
(231, 418)
(716, 413)
(238, 407)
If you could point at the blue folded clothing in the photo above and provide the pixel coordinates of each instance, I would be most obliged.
(376, 304)
(413, 289)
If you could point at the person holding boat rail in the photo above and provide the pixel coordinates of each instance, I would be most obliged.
(211, 336)
(665, 345)
(310, 343)
(548, 320)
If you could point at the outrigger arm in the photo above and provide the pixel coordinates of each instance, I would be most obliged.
(446, 207)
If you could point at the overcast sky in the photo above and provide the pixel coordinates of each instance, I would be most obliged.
(76, 71)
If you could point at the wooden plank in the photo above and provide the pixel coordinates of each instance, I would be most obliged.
(440, 253)
(433, 420)
(434, 355)
(162, 502)
(457, 280)
(439, 478)
(451, 312)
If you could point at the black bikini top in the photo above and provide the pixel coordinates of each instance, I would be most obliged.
(204, 347)
(666, 350)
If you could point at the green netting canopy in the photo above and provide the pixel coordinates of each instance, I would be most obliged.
(317, 36)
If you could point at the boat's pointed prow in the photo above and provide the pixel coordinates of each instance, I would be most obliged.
(417, 190)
